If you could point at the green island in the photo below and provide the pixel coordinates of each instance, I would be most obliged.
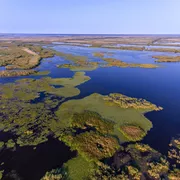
(117, 111)
(161, 59)
(111, 62)
(90, 66)
(98, 54)
(118, 63)
(78, 63)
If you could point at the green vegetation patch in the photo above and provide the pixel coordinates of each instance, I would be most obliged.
(1, 173)
(136, 161)
(19, 59)
(174, 151)
(91, 145)
(90, 66)
(76, 59)
(92, 119)
(161, 59)
(98, 54)
(112, 111)
(10, 144)
(16, 57)
(84, 65)
(27, 89)
(14, 73)
(142, 155)
(30, 122)
(78, 168)
(1, 144)
(157, 169)
(27, 106)
(54, 174)
(111, 62)
(42, 73)
(174, 174)
(129, 102)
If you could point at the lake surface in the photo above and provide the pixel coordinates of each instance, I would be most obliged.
(160, 86)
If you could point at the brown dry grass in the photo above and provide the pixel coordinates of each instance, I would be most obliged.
(132, 132)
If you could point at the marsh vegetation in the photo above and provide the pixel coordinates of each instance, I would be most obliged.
(162, 59)
(102, 129)
(112, 62)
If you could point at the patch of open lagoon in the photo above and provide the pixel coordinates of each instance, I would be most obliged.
(31, 164)
(2, 68)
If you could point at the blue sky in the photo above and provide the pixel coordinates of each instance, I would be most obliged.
(90, 16)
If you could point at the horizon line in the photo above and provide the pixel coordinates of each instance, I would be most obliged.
(90, 33)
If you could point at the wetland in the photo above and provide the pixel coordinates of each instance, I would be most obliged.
(74, 112)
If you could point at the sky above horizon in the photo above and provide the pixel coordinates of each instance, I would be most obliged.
(90, 16)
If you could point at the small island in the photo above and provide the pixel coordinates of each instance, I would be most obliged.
(161, 59)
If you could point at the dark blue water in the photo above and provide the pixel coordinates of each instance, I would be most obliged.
(160, 86)
(29, 163)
